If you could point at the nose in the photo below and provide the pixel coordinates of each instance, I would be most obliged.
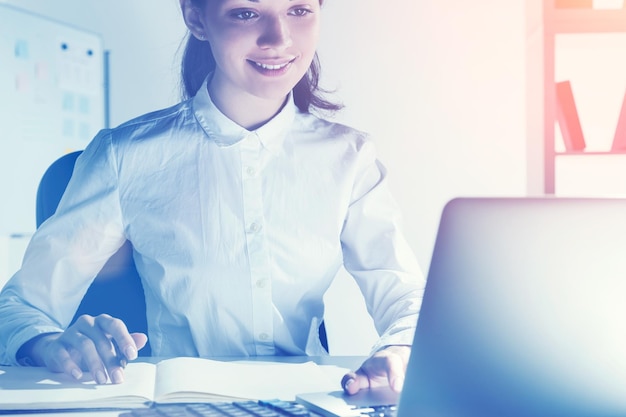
(275, 34)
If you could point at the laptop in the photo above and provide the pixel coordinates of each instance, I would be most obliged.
(524, 314)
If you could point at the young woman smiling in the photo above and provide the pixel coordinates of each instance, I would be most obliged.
(241, 205)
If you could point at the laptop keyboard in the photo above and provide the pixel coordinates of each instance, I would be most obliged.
(272, 408)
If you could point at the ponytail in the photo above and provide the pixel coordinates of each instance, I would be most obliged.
(196, 65)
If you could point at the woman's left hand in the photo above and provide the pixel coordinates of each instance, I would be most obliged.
(385, 367)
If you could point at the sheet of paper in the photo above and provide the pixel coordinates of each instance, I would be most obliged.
(36, 385)
(335, 373)
(242, 379)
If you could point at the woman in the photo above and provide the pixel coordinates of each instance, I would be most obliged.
(241, 207)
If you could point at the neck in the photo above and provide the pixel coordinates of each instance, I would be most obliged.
(248, 111)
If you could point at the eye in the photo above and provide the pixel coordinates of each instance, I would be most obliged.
(243, 14)
(300, 11)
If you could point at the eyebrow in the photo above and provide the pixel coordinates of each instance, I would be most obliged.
(257, 1)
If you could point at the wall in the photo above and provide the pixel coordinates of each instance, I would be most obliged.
(440, 85)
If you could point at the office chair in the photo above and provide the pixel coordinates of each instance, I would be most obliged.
(117, 290)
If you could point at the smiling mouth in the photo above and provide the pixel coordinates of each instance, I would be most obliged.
(271, 67)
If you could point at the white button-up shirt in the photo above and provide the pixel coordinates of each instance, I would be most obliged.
(237, 234)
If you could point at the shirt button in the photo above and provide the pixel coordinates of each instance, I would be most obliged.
(264, 336)
(255, 227)
(251, 171)
(261, 283)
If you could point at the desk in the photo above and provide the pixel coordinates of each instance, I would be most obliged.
(350, 362)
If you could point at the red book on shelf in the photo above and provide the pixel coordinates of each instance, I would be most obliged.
(567, 116)
(619, 140)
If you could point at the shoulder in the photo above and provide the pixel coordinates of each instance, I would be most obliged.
(140, 133)
(320, 129)
(154, 124)
(156, 121)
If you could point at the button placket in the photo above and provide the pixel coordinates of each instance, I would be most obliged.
(258, 255)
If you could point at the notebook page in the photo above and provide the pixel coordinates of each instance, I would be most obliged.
(183, 379)
(38, 388)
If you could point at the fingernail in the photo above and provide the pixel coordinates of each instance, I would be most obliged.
(130, 352)
(101, 377)
(349, 382)
(117, 377)
(76, 373)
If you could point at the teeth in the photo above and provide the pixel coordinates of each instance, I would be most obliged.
(271, 67)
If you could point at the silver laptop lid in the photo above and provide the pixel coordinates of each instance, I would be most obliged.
(524, 312)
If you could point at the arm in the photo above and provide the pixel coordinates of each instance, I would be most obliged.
(64, 255)
(381, 261)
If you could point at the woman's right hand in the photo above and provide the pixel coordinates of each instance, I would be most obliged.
(90, 344)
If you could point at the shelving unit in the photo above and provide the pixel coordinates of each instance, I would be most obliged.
(557, 22)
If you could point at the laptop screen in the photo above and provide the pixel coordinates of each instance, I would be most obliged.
(524, 312)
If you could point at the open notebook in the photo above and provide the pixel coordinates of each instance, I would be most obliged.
(524, 313)
(176, 380)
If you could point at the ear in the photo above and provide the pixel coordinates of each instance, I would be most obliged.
(193, 19)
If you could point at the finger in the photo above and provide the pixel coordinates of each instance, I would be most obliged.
(105, 360)
(58, 359)
(86, 348)
(347, 380)
(118, 347)
(75, 355)
(353, 382)
(115, 370)
(117, 330)
(140, 340)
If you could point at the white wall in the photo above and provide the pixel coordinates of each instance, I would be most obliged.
(439, 83)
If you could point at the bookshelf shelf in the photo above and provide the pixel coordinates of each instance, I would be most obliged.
(585, 153)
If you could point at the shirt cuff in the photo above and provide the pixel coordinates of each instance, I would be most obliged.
(401, 333)
(18, 341)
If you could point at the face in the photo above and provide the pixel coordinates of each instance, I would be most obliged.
(261, 47)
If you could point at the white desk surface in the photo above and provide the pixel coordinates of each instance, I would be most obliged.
(350, 362)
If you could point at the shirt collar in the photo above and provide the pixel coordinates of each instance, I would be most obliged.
(226, 132)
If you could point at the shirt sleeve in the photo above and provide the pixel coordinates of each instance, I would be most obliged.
(64, 254)
(378, 256)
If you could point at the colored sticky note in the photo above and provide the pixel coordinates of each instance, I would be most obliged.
(21, 49)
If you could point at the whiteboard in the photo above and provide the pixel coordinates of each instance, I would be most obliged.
(52, 101)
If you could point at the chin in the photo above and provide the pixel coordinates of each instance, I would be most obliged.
(272, 93)
(273, 88)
